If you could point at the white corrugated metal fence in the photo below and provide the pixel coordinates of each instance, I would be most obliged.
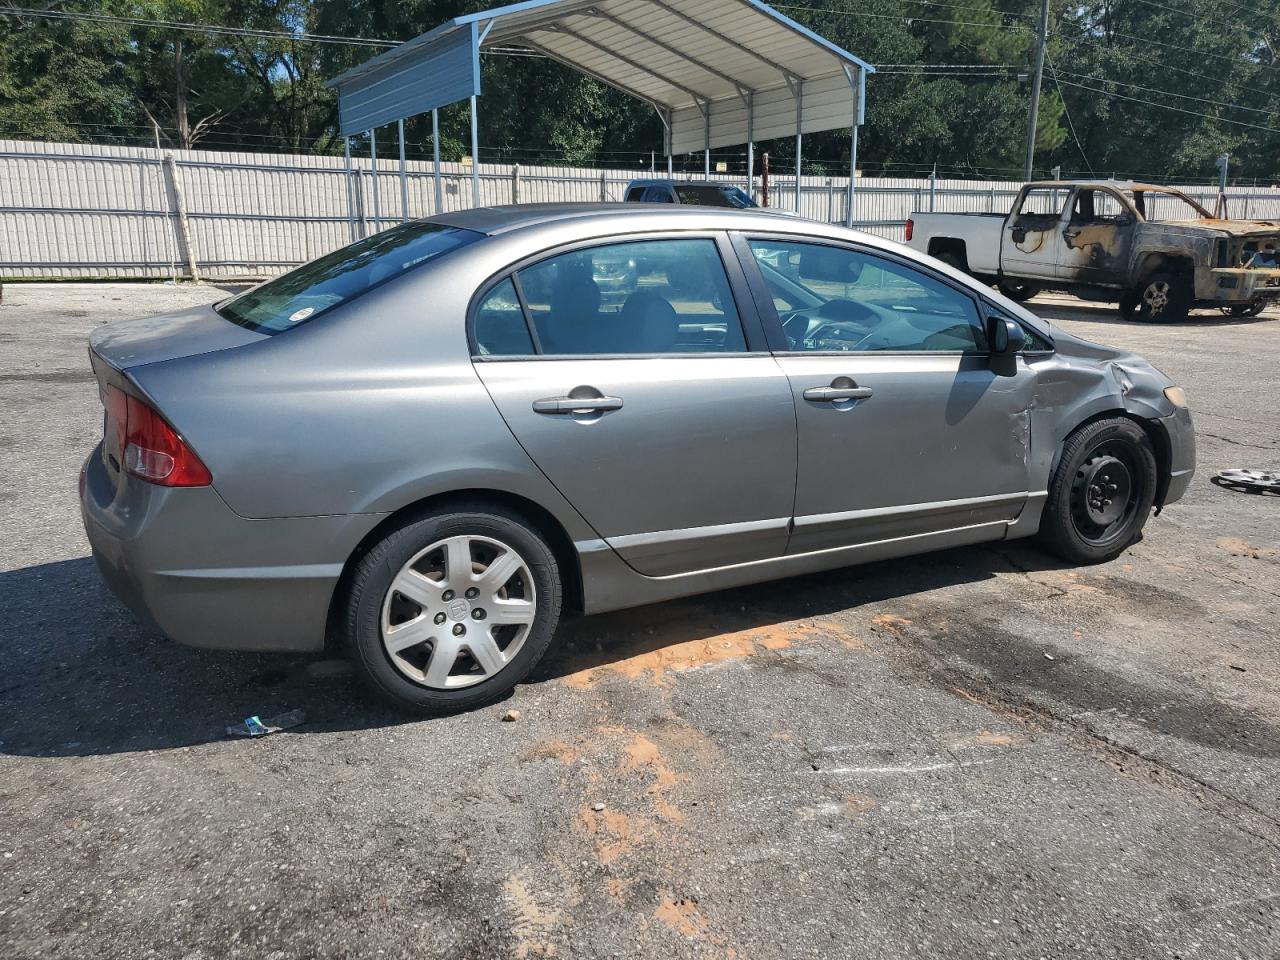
(92, 211)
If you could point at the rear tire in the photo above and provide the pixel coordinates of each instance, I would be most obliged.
(1251, 309)
(1164, 297)
(1018, 290)
(452, 609)
(1102, 492)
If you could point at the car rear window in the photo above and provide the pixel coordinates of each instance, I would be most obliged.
(305, 293)
(712, 195)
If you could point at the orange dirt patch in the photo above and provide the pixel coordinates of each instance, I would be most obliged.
(532, 922)
(643, 754)
(684, 917)
(890, 623)
(661, 660)
(614, 833)
(1243, 548)
(984, 739)
(551, 750)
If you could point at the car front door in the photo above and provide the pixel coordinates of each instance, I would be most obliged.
(1096, 238)
(633, 380)
(905, 427)
(1032, 238)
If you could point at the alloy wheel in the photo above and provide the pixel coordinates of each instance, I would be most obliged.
(1156, 297)
(458, 612)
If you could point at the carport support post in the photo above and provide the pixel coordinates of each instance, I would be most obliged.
(751, 145)
(373, 164)
(475, 154)
(706, 140)
(435, 156)
(799, 120)
(351, 211)
(404, 176)
(859, 86)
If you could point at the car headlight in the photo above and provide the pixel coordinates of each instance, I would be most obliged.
(1176, 395)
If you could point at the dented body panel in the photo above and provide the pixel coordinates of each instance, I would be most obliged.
(1111, 237)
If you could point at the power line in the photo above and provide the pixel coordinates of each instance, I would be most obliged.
(1169, 93)
(198, 27)
(927, 3)
(902, 16)
(1067, 112)
(1198, 53)
(1165, 106)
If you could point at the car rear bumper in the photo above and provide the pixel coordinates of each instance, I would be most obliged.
(186, 564)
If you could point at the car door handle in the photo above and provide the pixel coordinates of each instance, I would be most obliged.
(576, 404)
(832, 394)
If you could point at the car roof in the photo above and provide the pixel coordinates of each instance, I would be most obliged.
(493, 221)
(1129, 185)
(669, 182)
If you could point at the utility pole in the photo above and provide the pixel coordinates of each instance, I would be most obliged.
(1033, 117)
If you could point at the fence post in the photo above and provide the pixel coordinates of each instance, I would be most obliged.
(180, 215)
(831, 200)
(515, 183)
(933, 189)
(604, 187)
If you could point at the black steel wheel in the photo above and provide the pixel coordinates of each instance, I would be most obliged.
(1101, 493)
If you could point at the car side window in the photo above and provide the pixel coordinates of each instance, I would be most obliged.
(642, 297)
(1097, 206)
(500, 327)
(635, 194)
(843, 300)
(659, 195)
(1044, 202)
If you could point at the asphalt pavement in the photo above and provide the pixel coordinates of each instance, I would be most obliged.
(975, 753)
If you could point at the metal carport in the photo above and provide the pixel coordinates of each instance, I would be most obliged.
(718, 73)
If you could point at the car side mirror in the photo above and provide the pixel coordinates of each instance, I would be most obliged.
(1005, 337)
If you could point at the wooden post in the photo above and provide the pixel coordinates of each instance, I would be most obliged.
(764, 180)
(180, 210)
(604, 187)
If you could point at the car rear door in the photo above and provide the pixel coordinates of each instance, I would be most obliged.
(654, 405)
(1031, 242)
(905, 428)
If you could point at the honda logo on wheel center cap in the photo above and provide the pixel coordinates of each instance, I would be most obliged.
(458, 609)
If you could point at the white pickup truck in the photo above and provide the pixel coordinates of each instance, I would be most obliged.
(1152, 249)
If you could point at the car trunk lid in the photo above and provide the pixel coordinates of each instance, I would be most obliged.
(132, 343)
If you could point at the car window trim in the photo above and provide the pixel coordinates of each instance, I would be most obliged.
(739, 289)
(773, 322)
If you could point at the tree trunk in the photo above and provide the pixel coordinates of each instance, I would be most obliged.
(180, 97)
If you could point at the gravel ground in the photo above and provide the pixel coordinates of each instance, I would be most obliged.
(980, 752)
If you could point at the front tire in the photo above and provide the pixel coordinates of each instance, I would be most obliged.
(452, 609)
(1101, 493)
(1164, 297)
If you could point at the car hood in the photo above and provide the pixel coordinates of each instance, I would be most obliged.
(186, 333)
(1230, 228)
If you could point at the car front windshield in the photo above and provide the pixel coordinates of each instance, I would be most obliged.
(712, 195)
(305, 293)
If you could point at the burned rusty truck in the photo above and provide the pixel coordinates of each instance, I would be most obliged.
(1152, 249)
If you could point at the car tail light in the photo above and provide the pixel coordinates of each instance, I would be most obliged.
(911, 226)
(152, 450)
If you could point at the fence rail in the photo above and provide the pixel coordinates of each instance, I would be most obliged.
(92, 211)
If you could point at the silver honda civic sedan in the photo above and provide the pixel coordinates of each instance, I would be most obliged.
(429, 445)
